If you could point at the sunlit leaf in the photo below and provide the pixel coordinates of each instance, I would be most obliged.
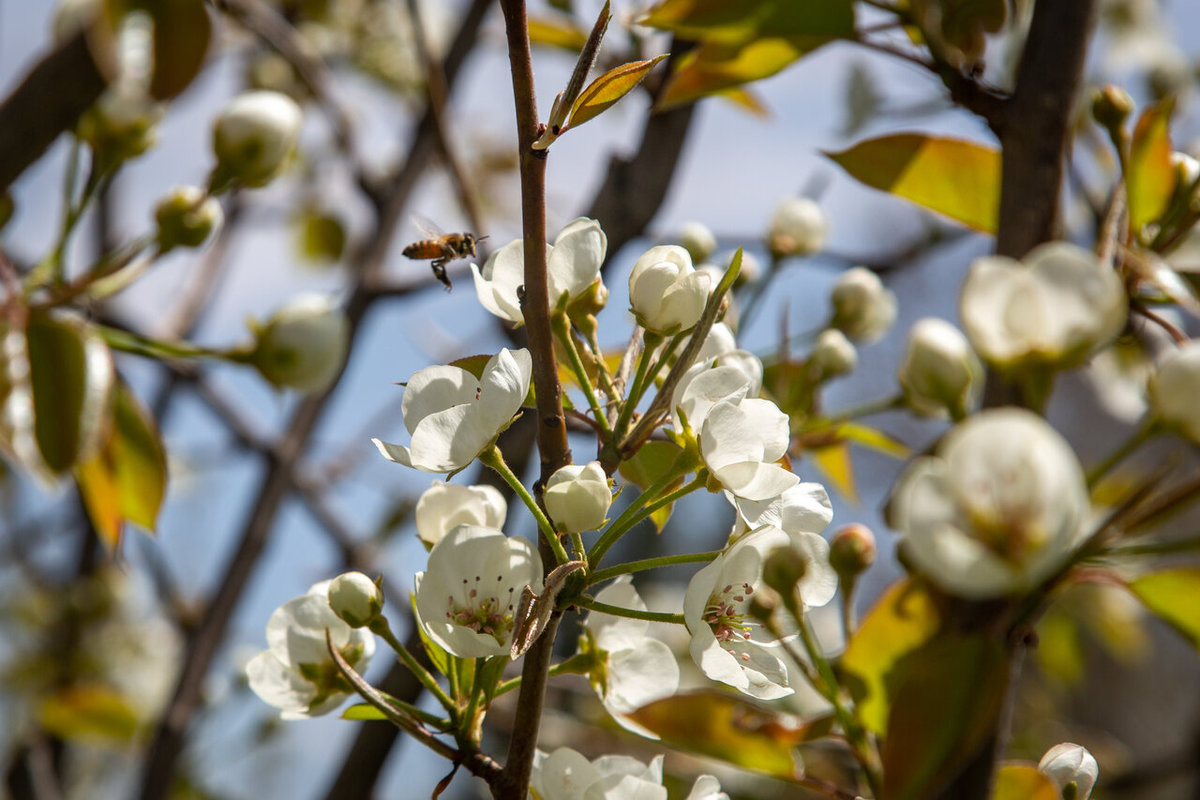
(957, 178)
(874, 439)
(812, 22)
(95, 714)
(322, 236)
(1060, 653)
(1172, 596)
(903, 619)
(747, 100)
(716, 67)
(181, 31)
(363, 712)
(608, 89)
(726, 727)
(127, 478)
(558, 32)
(837, 467)
(1151, 179)
(946, 700)
(649, 465)
(71, 374)
(1023, 782)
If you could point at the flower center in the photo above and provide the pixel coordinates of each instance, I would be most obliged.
(484, 610)
(725, 614)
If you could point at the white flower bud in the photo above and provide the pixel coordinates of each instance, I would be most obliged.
(253, 138)
(863, 308)
(1174, 387)
(798, 228)
(72, 16)
(665, 291)
(303, 344)
(577, 497)
(940, 373)
(698, 240)
(122, 124)
(186, 217)
(832, 355)
(355, 598)
(1067, 764)
(445, 506)
(1187, 169)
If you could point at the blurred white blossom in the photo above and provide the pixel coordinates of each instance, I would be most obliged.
(863, 308)
(254, 136)
(566, 774)
(798, 228)
(940, 373)
(444, 506)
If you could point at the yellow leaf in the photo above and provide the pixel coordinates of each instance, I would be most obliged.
(1151, 179)
(716, 67)
(1017, 781)
(608, 89)
(836, 466)
(563, 34)
(815, 21)
(956, 178)
(93, 713)
(873, 438)
(1171, 595)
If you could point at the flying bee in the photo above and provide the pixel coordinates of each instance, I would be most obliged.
(442, 248)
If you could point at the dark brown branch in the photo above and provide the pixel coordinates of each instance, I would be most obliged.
(48, 101)
(167, 744)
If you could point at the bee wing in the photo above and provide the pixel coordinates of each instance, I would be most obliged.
(428, 228)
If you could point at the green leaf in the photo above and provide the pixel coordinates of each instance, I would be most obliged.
(322, 236)
(903, 620)
(127, 478)
(651, 463)
(363, 712)
(92, 713)
(948, 696)
(71, 375)
(1171, 596)
(608, 89)
(181, 33)
(814, 21)
(1151, 179)
(956, 178)
(1023, 782)
(728, 728)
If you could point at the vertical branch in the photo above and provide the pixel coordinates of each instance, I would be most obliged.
(551, 432)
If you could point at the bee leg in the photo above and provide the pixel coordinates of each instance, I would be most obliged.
(439, 272)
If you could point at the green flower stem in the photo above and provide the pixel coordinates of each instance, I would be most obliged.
(661, 361)
(578, 546)
(631, 613)
(1154, 549)
(606, 380)
(470, 727)
(649, 345)
(578, 664)
(381, 628)
(432, 720)
(50, 268)
(651, 563)
(493, 458)
(130, 342)
(1135, 440)
(562, 330)
(642, 508)
(852, 729)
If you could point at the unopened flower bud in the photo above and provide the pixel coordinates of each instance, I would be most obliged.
(1072, 768)
(1111, 106)
(832, 355)
(121, 125)
(253, 138)
(582, 310)
(578, 497)
(852, 551)
(783, 569)
(303, 344)
(355, 598)
(798, 228)
(863, 308)
(698, 240)
(666, 292)
(940, 372)
(186, 217)
(1187, 170)
(1174, 387)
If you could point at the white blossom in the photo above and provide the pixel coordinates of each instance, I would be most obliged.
(1057, 306)
(577, 497)
(741, 440)
(566, 774)
(572, 267)
(832, 355)
(303, 344)
(635, 669)
(1068, 763)
(798, 227)
(728, 644)
(254, 136)
(666, 292)
(998, 508)
(863, 308)
(730, 375)
(296, 673)
(468, 593)
(445, 506)
(1174, 389)
(804, 507)
(940, 373)
(453, 416)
